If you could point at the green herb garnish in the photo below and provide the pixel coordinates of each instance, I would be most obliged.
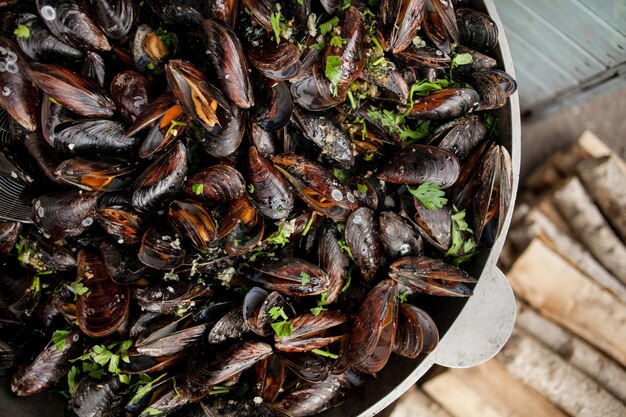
(173, 129)
(316, 311)
(459, 225)
(329, 25)
(59, 337)
(333, 71)
(251, 188)
(325, 353)
(338, 41)
(284, 327)
(430, 195)
(304, 278)
(169, 39)
(275, 19)
(197, 188)
(71, 379)
(362, 188)
(22, 32)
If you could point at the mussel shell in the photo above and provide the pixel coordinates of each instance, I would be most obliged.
(230, 327)
(316, 186)
(115, 17)
(398, 236)
(203, 373)
(434, 225)
(313, 332)
(94, 397)
(93, 137)
(122, 223)
(129, 91)
(263, 140)
(363, 238)
(226, 142)
(44, 157)
(173, 343)
(161, 248)
(256, 307)
(65, 214)
(374, 329)
(167, 403)
(194, 222)
(476, 30)
(417, 164)
(307, 365)
(447, 103)
(494, 87)
(314, 91)
(70, 21)
(271, 194)
(314, 397)
(480, 62)
(399, 22)
(220, 183)
(164, 131)
(417, 332)
(43, 255)
(22, 99)
(9, 232)
(225, 10)
(123, 268)
(48, 368)
(285, 276)
(440, 25)
(322, 130)
(104, 174)
(161, 180)
(94, 68)
(332, 260)
(243, 238)
(276, 61)
(225, 56)
(431, 276)
(275, 111)
(79, 94)
(461, 135)
(42, 46)
(271, 374)
(52, 115)
(104, 308)
(170, 297)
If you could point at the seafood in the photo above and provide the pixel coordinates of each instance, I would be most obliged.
(221, 201)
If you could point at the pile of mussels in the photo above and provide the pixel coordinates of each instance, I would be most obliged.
(232, 208)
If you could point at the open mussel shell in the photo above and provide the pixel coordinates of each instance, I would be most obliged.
(239, 211)
(274, 112)
(220, 183)
(41, 45)
(122, 223)
(256, 307)
(270, 194)
(70, 21)
(166, 404)
(116, 18)
(440, 25)
(492, 197)
(314, 91)
(374, 329)
(48, 368)
(476, 30)
(398, 236)
(328, 135)
(431, 276)
(65, 214)
(316, 186)
(95, 397)
(22, 100)
(228, 62)
(129, 91)
(332, 260)
(307, 365)
(17, 292)
(104, 307)
(203, 371)
(444, 104)
(52, 115)
(170, 339)
(435, 226)
(417, 164)
(314, 397)
(494, 88)
(245, 236)
(161, 180)
(41, 255)
(202, 101)
(104, 174)
(227, 141)
(292, 276)
(399, 22)
(313, 332)
(194, 222)
(363, 238)
(271, 373)
(417, 332)
(148, 50)
(161, 248)
(120, 265)
(79, 94)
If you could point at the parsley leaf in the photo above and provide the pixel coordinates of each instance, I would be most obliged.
(430, 195)
(396, 123)
(316, 311)
(325, 353)
(326, 27)
(197, 188)
(459, 225)
(22, 32)
(461, 59)
(304, 278)
(59, 337)
(281, 236)
(144, 387)
(282, 329)
(278, 312)
(169, 39)
(348, 279)
(79, 288)
(151, 412)
(251, 188)
(333, 71)
(71, 379)
(308, 224)
(344, 247)
(491, 123)
(173, 129)
(362, 188)
(402, 297)
(338, 41)
(275, 19)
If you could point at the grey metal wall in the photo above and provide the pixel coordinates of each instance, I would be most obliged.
(565, 50)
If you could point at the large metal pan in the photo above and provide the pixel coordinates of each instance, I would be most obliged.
(472, 330)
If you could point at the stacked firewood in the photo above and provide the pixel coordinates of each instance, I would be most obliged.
(566, 261)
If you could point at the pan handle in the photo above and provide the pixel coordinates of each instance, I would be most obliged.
(484, 325)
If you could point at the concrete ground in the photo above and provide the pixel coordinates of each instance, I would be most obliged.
(605, 116)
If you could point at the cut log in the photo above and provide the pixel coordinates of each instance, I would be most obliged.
(457, 396)
(574, 350)
(565, 386)
(591, 228)
(606, 183)
(558, 290)
(537, 224)
(587, 146)
(416, 403)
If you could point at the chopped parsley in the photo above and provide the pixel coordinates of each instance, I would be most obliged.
(402, 297)
(396, 123)
(251, 188)
(169, 39)
(304, 278)
(348, 279)
(430, 195)
(459, 225)
(59, 337)
(22, 32)
(333, 71)
(325, 353)
(144, 386)
(79, 288)
(282, 328)
(338, 41)
(461, 59)
(329, 25)
(151, 411)
(281, 236)
(362, 188)
(344, 247)
(71, 379)
(275, 19)
(316, 311)
(197, 188)
(277, 313)
(308, 224)
(173, 129)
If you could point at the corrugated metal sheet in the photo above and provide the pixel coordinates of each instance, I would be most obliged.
(561, 47)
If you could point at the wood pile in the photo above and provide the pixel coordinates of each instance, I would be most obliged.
(566, 261)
